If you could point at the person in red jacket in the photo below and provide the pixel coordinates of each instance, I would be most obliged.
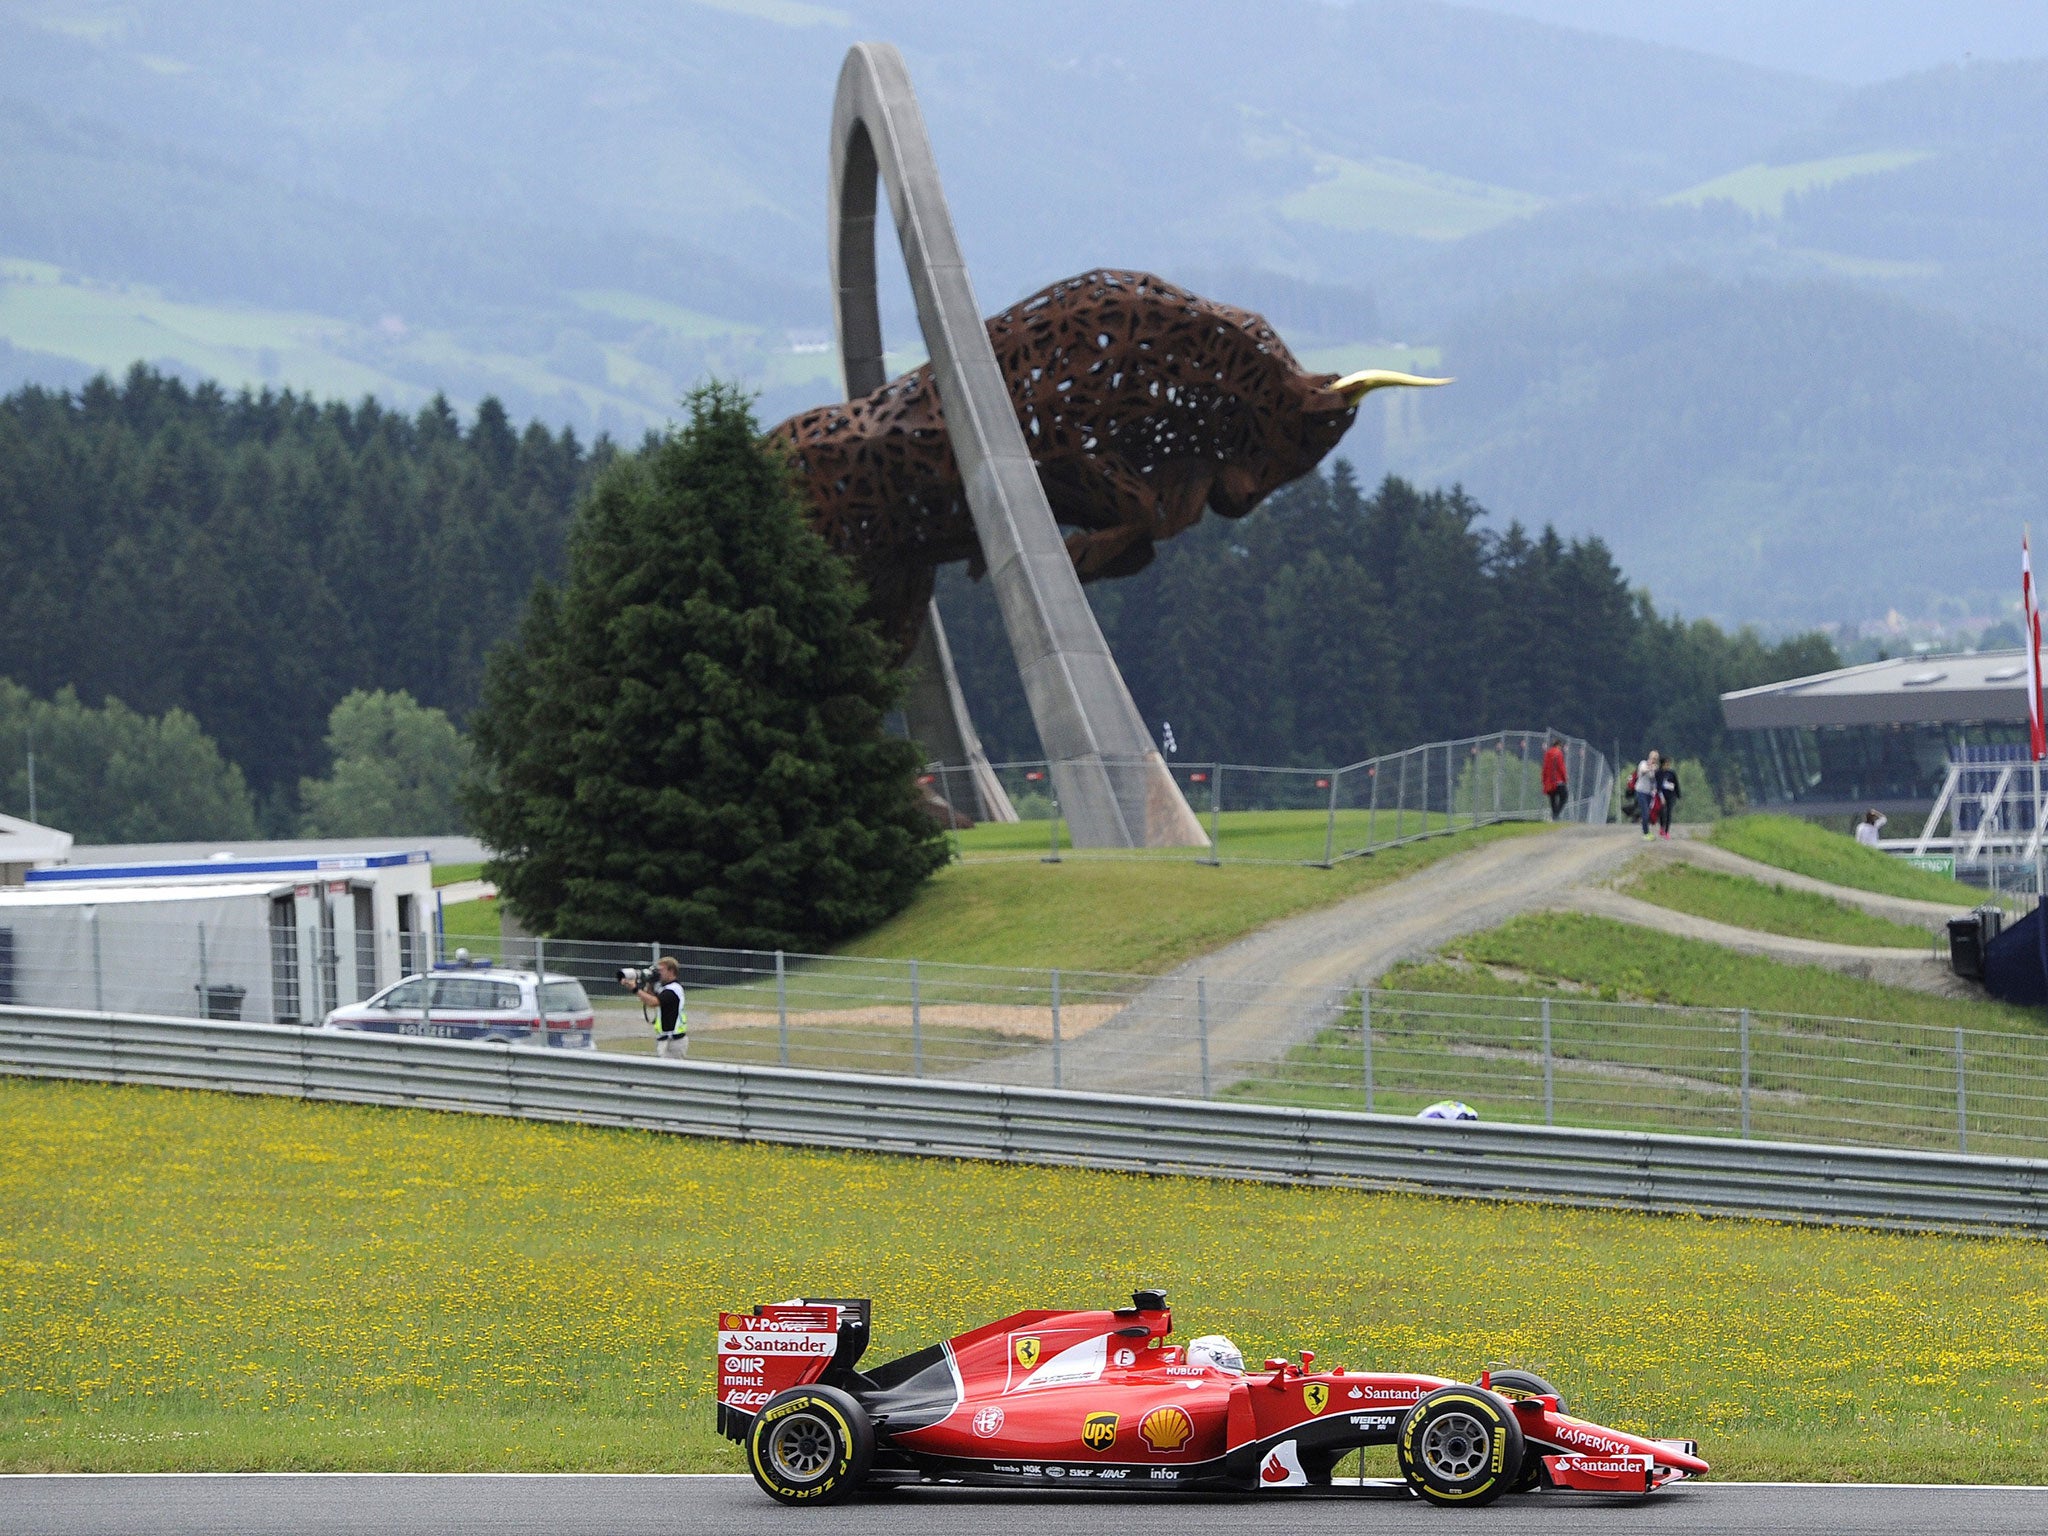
(1554, 784)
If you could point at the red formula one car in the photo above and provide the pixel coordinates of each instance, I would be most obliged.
(1101, 1400)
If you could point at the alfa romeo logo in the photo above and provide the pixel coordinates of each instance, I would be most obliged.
(988, 1423)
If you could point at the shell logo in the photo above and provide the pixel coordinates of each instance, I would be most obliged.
(1167, 1429)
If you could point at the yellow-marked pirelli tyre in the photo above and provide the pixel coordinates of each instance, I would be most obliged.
(810, 1445)
(1460, 1445)
(1512, 1384)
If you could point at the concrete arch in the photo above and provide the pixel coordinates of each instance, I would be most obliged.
(1113, 787)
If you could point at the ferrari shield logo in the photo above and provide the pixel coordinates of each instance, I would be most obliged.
(1315, 1396)
(1027, 1353)
(1098, 1431)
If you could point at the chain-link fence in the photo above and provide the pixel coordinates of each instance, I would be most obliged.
(1259, 814)
(1560, 1059)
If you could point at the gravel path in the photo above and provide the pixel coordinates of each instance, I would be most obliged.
(1155, 1044)
(1898, 909)
(1274, 989)
(1920, 969)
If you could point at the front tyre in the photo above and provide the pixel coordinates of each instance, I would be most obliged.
(810, 1445)
(1460, 1445)
(1512, 1384)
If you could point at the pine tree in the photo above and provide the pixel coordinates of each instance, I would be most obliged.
(686, 742)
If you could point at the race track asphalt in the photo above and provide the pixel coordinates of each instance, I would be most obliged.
(345, 1504)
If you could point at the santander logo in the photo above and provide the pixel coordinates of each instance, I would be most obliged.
(1274, 1471)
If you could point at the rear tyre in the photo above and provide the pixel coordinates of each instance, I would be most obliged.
(1460, 1446)
(810, 1445)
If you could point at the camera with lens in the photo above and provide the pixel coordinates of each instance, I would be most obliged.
(634, 977)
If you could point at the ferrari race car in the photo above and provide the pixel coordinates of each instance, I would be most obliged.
(1101, 1400)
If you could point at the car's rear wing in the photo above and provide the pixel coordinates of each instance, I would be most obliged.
(787, 1344)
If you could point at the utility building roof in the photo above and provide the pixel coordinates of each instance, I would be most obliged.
(1911, 690)
(23, 842)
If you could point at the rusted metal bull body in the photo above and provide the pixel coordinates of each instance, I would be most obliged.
(1142, 404)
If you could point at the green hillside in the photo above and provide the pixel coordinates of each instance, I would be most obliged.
(1762, 189)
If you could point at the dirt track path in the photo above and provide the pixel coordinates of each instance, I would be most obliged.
(1898, 909)
(1921, 969)
(1275, 989)
(1155, 1044)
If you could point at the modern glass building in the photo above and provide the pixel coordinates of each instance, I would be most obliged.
(1881, 735)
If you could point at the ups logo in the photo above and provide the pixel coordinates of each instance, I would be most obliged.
(1098, 1431)
(1027, 1353)
(1316, 1396)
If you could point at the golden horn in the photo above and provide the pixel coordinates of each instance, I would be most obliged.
(1354, 387)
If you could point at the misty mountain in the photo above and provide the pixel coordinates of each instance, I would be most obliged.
(1723, 316)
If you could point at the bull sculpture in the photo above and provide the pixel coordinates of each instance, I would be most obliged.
(1142, 404)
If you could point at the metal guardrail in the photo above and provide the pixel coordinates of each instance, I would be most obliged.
(1560, 1058)
(925, 1117)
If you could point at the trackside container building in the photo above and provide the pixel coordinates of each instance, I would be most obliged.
(269, 940)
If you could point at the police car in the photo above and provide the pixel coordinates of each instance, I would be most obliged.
(475, 1000)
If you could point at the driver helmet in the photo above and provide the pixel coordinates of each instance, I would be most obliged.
(1448, 1109)
(1214, 1349)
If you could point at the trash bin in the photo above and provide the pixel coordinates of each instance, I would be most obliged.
(1969, 937)
(221, 1002)
(1966, 947)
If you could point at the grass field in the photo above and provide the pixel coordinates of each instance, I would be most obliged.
(1805, 849)
(1752, 904)
(1287, 837)
(451, 874)
(1619, 962)
(1762, 189)
(1131, 913)
(1889, 1081)
(471, 922)
(1402, 199)
(288, 1285)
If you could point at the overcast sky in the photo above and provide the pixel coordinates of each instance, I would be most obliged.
(1850, 40)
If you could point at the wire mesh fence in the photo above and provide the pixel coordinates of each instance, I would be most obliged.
(1559, 1059)
(1262, 814)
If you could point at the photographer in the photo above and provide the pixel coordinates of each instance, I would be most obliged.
(661, 988)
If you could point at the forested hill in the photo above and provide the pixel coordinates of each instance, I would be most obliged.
(1331, 625)
(254, 558)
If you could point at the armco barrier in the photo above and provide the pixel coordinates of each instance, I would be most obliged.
(1853, 1185)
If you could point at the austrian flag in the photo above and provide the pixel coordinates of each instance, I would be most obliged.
(2037, 741)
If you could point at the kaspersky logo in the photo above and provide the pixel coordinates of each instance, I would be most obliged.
(1589, 1440)
(1098, 1431)
(1315, 1396)
(1027, 1353)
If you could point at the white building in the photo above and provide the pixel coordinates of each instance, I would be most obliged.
(273, 939)
(24, 845)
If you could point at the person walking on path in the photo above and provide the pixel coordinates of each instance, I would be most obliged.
(1868, 828)
(672, 1037)
(1554, 781)
(1665, 794)
(1646, 792)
